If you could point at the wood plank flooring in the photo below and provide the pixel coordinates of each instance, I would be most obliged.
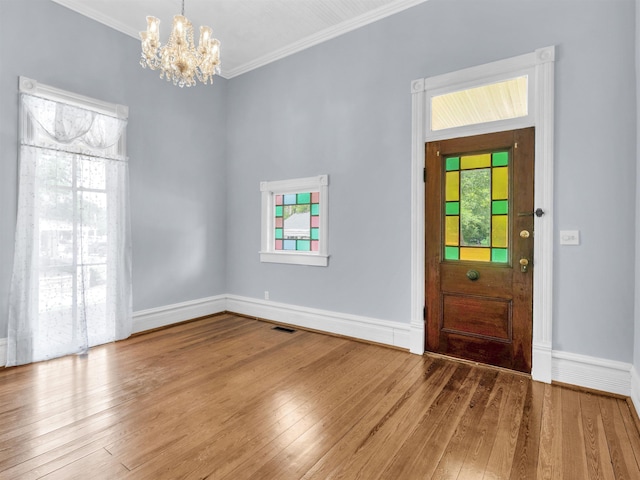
(228, 397)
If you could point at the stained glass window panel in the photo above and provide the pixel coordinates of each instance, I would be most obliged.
(500, 183)
(452, 163)
(315, 209)
(297, 221)
(452, 186)
(499, 231)
(499, 255)
(500, 207)
(452, 233)
(452, 208)
(477, 254)
(303, 198)
(290, 199)
(475, 161)
(451, 253)
(500, 159)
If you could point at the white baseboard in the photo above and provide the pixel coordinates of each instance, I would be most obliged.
(635, 389)
(542, 364)
(592, 372)
(176, 313)
(3, 352)
(365, 328)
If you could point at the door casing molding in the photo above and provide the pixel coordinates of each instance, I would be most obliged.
(539, 66)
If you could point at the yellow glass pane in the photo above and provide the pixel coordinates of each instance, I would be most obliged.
(476, 254)
(500, 183)
(499, 231)
(452, 231)
(475, 161)
(452, 186)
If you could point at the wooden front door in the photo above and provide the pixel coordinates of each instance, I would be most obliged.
(479, 248)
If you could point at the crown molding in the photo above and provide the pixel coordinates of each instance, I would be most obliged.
(83, 8)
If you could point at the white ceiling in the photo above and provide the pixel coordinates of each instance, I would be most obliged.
(252, 33)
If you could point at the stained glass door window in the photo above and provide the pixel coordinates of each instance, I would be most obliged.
(476, 210)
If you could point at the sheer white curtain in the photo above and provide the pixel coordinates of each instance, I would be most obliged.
(71, 284)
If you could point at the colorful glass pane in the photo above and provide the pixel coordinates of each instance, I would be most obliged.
(452, 208)
(499, 231)
(452, 186)
(290, 199)
(452, 232)
(315, 222)
(500, 207)
(315, 245)
(279, 211)
(278, 244)
(279, 222)
(303, 198)
(500, 187)
(278, 233)
(303, 245)
(500, 159)
(315, 197)
(315, 209)
(478, 254)
(289, 245)
(451, 253)
(475, 161)
(278, 199)
(315, 234)
(452, 163)
(499, 255)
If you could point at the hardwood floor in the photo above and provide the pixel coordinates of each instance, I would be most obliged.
(230, 398)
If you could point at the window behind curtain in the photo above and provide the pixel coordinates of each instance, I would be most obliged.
(71, 285)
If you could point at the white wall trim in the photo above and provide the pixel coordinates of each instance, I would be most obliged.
(635, 389)
(592, 372)
(364, 328)
(3, 351)
(542, 101)
(178, 312)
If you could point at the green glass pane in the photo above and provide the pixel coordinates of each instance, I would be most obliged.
(315, 234)
(499, 255)
(315, 209)
(475, 207)
(452, 163)
(303, 245)
(452, 208)
(279, 211)
(500, 159)
(451, 253)
(278, 233)
(500, 207)
(304, 198)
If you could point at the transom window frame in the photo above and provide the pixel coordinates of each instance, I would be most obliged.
(540, 65)
(269, 190)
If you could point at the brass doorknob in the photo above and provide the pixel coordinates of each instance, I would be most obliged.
(524, 233)
(524, 264)
(473, 275)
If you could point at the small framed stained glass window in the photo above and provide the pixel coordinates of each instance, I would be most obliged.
(295, 221)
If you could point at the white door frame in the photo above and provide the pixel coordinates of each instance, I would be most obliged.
(539, 66)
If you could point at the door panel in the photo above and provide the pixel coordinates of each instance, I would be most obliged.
(479, 197)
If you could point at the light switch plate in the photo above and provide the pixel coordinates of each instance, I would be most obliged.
(569, 237)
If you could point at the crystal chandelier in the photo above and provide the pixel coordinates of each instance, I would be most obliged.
(179, 60)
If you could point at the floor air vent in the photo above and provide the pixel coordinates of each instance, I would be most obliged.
(284, 329)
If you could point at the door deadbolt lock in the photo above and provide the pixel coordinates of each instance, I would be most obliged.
(524, 265)
(525, 234)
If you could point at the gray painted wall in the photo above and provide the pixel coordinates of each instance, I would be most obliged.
(636, 342)
(176, 143)
(343, 108)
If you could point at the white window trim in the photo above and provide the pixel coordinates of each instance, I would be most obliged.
(268, 253)
(540, 64)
